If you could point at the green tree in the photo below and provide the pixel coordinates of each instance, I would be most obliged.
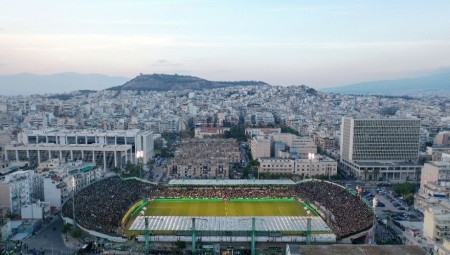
(76, 233)
(66, 229)
(180, 245)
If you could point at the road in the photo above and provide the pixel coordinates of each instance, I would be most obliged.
(49, 239)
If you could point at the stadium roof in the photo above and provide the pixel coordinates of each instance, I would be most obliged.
(213, 182)
(263, 223)
(361, 249)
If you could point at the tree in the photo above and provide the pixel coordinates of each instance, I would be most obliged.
(76, 233)
(180, 245)
(66, 229)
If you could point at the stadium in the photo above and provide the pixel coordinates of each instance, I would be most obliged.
(221, 211)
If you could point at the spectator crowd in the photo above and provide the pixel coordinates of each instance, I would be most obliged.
(102, 205)
(350, 214)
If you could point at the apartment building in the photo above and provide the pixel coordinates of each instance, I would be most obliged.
(18, 189)
(260, 147)
(204, 158)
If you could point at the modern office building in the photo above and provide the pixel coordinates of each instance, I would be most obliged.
(386, 149)
(139, 140)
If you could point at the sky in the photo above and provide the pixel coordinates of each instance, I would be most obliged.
(316, 43)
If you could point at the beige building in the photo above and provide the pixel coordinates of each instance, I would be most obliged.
(437, 172)
(203, 132)
(436, 223)
(48, 164)
(315, 165)
(204, 158)
(260, 147)
(262, 131)
(442, 138)
(301, 145)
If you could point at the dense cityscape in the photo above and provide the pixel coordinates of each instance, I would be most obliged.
(56, 143)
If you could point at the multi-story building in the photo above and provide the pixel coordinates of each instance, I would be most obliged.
(436, 222)
(139, 140)
(313, 166)
(302, 146)
(384, 148)
(202, 132)
(212, 158)
(57, 184)
(262, 131)
(18, 189)
(260, 147)
(442, 138)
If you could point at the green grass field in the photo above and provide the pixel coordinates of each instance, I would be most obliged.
(228, 208)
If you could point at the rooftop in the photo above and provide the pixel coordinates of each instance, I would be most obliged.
(212, 182)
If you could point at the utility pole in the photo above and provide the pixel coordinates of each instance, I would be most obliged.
(194, 234)
(147, 237)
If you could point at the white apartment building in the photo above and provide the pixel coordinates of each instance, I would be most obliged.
(314, 165)
(39, 211)
(434, 185)
(57, 184)
(18, 189)
(139, 140)
(384, 149)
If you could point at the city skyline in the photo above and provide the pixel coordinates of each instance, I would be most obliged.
(320, 44)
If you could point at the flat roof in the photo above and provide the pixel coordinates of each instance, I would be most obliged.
(47, 146)
(361, 250)
(235, 223)
(214, 182)
(380, 163)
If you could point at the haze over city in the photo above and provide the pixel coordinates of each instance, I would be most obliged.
(320, 44)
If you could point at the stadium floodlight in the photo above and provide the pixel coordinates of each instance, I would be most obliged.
(73, 184)
(374, 205)
(308, 225)
(140, 156)
(194, 233)
(147, 230)
(253, 233)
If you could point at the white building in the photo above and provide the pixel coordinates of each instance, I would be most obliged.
(384, 149)
(39, 211)
(139, 140)
(57, 183)
(301, 145)
(313, 166)
(18, 189)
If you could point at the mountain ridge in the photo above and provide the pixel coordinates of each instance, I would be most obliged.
(432, 84)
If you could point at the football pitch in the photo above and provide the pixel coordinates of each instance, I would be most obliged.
(224, 208)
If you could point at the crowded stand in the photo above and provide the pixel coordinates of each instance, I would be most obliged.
(350, 214)
(101, 206)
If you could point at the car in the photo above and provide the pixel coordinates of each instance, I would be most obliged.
(401, 208)
(381, 204)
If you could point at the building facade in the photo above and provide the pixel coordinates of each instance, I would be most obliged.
(380, 149)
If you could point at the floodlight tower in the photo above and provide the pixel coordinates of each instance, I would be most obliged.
(308, 225)
(253, 234)
(147, 230)
(72, 182)
(374, 205)
(140, 155)
(194, 233)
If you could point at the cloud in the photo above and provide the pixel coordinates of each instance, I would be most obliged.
(165, 63)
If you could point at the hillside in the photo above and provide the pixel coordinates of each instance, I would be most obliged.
(165, 82)
(435, 84)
